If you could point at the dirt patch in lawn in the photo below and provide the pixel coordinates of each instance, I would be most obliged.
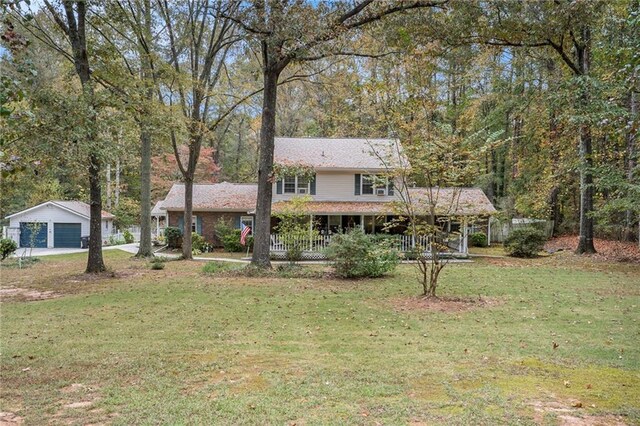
(25, 294)
(442, 304)
(571, 414)
(10, 419)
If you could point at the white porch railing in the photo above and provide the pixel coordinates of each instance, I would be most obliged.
(403, 243)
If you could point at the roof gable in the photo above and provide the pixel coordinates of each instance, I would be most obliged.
(78, 208)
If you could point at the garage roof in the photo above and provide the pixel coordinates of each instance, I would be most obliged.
(77, 207)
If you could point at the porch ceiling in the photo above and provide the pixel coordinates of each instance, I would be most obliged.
(340, 207)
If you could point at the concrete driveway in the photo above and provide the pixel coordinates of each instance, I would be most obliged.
(37, 252)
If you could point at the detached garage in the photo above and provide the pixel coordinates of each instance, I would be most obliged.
(59, 224)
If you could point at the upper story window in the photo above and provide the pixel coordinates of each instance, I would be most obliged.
(296, 185)
(374, 185)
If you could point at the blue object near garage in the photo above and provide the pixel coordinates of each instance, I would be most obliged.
(39, 232)
(66, 235)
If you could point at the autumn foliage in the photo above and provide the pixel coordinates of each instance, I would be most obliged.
(165, 170)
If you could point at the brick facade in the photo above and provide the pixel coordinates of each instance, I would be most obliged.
(209, 220)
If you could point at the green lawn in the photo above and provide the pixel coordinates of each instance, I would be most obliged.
(178, 346)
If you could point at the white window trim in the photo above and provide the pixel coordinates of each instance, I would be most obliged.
(297, 186)
(374, 177)
(194, 223)
(247, 219)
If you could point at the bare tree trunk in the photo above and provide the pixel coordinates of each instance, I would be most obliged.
(239, 151)
(95, 263)
(585, 244)
(108, 186)
(75, 29)
(631, 161)
(188, 218)
(144, 249)
(117, 188)
(265, 171)
(554, 204)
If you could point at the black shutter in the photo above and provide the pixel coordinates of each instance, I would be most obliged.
(313, 185)
(357, 184)
(279, 186)
(390, 187)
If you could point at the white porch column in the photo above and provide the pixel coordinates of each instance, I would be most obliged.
(50, 235)
(465, 232)
(310, 232)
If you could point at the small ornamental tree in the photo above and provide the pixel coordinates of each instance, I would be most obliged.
(34, 229)
(428, 213)
(295, 228)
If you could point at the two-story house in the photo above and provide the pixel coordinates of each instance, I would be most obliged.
(350, 185)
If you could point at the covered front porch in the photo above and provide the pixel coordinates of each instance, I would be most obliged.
(323, 227)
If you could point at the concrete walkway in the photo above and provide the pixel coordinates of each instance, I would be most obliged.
(39, 252)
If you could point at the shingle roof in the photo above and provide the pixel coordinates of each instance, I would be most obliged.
(78, 207)
(449, 201)
(214, 196)
(242, 197)
(158, 209)
(81, 208)
(454, 201)
(327, 153)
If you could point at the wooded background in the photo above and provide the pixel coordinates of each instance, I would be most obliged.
(537, 99)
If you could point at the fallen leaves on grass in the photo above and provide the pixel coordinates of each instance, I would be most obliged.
(442, 304)
(616, 251)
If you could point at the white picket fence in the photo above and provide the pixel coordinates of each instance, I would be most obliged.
(313, 247)
(501, 230)
(119, 234)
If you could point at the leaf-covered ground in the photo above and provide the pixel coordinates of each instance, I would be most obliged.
(608, 250)
(552, 340)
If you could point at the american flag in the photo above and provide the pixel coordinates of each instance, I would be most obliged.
(245, 230)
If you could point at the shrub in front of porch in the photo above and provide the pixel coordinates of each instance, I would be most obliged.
(357, 255)
(229, 237)
(478, 239)
(173, 236)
